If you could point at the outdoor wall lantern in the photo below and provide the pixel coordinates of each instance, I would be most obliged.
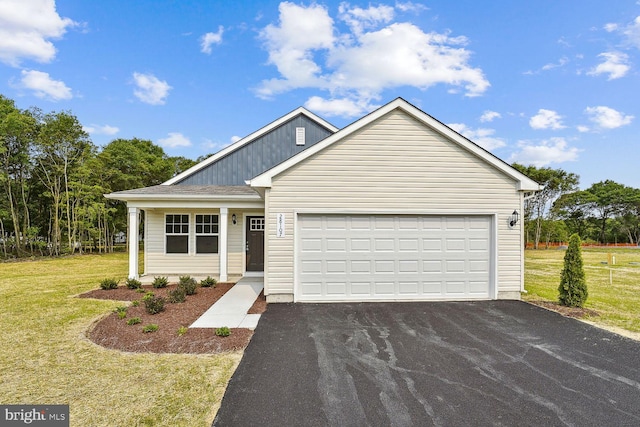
(513, 219)
(234, 219)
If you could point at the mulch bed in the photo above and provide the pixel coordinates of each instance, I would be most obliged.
(574, 312)
(113, 332)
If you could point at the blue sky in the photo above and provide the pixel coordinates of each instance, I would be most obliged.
(550, 83)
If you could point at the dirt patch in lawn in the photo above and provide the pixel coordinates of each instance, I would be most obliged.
(575, 312)
(114, 332)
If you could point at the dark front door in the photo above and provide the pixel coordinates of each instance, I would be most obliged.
(255, 243)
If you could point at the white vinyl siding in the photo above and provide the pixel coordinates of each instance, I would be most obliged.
(159, 263)
(395, 165)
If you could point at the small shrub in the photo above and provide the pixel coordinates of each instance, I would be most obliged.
(153, 304)
(140, 291)
(147, 295)
(160, 282)
(108, 284)
(188, 284)
(573, 286)
(133, 284)
(122, 314)
(152, 327)
(177, 295)
(209, 282)
(135, 303)
(134, 321)
(120, 309)
(223, 331)
(182, 330)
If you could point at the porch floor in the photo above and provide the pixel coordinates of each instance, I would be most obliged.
(231, 309)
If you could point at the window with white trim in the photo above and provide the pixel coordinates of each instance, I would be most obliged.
(207, 234)
(177, 234)
(256, 224)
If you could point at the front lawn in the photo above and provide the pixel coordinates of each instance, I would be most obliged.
(618, 304)
(46, 359)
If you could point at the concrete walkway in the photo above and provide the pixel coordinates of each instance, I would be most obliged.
(231, 309)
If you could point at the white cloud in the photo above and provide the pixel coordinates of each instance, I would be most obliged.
(553, 150)
(174, 139)
(359, 19)
(43, 86)
(356, 66)
(546, 119)
(338, 107)
(481, 136)
(151, 90)
(101, 130)
(550, 66)
(235, 138)
(409, 6)
(26, 28)
(489, 116)
(616, 65)
(630, 32)
(607, 118)
(583, 128)
(209, 39)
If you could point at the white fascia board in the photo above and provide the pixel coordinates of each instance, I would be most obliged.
(242, 142)
(130, 197)
(197, 204)
(524, 182)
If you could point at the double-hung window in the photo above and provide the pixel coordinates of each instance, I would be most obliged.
(206, 234)
(177, 234)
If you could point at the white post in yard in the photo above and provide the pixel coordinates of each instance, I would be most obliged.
(222, 244)
(133, 243)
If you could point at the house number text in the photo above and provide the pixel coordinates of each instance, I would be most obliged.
(280, 225)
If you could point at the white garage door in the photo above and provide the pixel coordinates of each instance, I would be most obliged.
(387, 257)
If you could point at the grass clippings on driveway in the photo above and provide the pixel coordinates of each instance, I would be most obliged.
(46, 359)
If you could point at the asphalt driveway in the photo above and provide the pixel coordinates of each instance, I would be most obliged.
(450, 364)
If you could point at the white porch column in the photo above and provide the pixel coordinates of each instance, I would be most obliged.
(132, 238)
(222, 244)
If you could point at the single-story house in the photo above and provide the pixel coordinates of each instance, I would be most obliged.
(393, 207)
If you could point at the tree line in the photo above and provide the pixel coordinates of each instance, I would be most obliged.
(606, 212)
(53, 178)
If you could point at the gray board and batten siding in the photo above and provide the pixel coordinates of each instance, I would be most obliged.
(259, 155)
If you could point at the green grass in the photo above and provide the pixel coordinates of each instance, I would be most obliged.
(46, 359)
(618, 304)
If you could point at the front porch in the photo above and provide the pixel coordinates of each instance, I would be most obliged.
(197, 230)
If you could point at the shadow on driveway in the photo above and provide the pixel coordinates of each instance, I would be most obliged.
(405, 364)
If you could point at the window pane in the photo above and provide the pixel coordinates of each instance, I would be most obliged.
(198, 219)
(198, 228)
(169, 228)
(207, 229)
(214, 230)
(214, 219)
(185, 229)
(185, 219)
(177, 244)
(206, 244)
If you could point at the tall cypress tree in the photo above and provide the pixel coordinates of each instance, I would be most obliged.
(573, 286)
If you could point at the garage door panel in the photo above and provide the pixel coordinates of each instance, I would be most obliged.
(385, 288)
(385, 257)
(385, 245)
(336, 245)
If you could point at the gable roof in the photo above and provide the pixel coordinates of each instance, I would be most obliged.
(524, 183)
(249, 138)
